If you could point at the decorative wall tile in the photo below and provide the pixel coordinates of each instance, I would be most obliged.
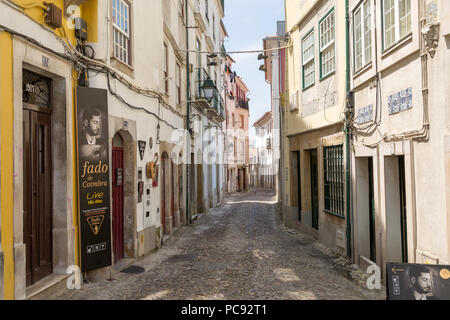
(400, 101)
(365, 115)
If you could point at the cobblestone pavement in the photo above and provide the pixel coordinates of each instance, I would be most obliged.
(237, 251)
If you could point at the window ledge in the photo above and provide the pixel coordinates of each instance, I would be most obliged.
(333, 214)
(328, 75)
(400, 44)
(362, 70)
(308, 87)
(122, 66)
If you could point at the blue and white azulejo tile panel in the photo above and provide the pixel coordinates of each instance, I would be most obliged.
(365, 115)
(400, 101)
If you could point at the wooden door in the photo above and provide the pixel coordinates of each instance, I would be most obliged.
(37, 199)
(403, 222)
(372, 236)
(314, 190)
(117, 196)
(172, 193)
(163, 194)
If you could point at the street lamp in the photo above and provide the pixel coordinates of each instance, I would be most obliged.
(208, 89)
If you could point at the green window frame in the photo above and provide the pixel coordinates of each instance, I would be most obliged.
(362, 35)
(334, 180)
(327, 44)
(396, 24)
(308, 60)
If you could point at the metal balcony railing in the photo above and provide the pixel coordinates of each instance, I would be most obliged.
(200, 76)
(241, 103)
(216, 104)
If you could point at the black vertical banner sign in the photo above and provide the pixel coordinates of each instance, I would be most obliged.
(93, 178)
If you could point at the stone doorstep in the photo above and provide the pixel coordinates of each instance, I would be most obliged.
(51, 286)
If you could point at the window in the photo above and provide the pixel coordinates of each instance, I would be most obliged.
(166, 69)
(308, 60)
(214, 28)
(121, 30)
(396, 21)
(242, 122)
(362, 33)
(199, 70)
(232, 124)
(334, 180)
(327, 45)
(178, 82)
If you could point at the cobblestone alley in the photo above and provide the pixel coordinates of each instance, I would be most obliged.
(237, 251)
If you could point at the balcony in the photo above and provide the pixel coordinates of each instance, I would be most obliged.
(200, 99)
(241, 103)
(215, 106)
(218, 107)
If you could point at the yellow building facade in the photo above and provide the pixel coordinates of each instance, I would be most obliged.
(313, 133)
(33, 57)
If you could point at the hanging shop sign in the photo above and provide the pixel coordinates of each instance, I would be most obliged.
(417, 281)
(93, 178)
(141, 145)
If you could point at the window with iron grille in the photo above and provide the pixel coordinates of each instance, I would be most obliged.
(121, 30)
(333, 168)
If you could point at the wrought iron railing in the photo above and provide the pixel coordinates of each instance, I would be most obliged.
(241, 103)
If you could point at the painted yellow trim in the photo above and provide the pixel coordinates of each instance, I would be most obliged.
(75, 173)
(88, 11)
(7, 161)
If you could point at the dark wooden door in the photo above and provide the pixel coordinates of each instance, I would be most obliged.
(403, 222)
(314, 190)
(117, 196)
(37, 199)
(163, 194)
(172, 193)
(373, 251)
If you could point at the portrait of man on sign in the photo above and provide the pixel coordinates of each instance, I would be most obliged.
(92, 143)
(421, 280)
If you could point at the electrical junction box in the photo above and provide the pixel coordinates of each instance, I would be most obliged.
(53, 16)
(81, 29)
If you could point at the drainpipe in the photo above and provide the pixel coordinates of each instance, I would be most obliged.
(348, 132)
(188, 116)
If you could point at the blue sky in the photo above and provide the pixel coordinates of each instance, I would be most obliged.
(248, 22)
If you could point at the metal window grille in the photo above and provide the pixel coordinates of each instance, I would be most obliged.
(334, 180)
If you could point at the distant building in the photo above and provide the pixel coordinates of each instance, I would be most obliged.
(266, 163)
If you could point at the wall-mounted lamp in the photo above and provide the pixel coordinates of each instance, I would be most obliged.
(262, 57)
(208, 89)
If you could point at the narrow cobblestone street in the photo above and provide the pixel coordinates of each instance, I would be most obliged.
(237, 251)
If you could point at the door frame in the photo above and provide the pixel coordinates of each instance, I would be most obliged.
(314, 176)
(121, 235)
(36, 271)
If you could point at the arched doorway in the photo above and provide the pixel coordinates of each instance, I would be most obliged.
(117, 196)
